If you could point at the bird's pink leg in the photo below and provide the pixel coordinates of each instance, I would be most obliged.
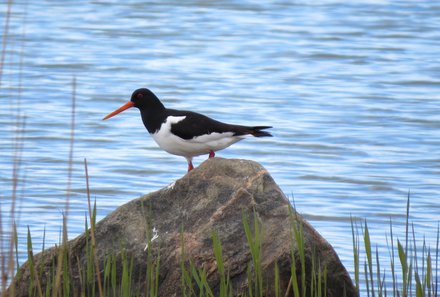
(211, 154)
(190, 164)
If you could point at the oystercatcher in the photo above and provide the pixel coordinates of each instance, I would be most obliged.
(186, 133)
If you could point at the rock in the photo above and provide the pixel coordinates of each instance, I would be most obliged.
(213, 197)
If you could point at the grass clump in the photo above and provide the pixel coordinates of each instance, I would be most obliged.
(254, 240)
(413, 271)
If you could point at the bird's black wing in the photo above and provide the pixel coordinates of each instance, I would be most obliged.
(196, 124)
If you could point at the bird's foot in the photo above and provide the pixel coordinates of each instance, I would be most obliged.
(211, 154)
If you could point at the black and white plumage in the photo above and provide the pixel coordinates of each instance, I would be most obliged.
(186, 133)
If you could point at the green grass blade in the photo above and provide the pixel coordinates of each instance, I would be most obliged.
(293, 282)
(392, 261)
(378, 274)
(355, 243)
(367, 244)
(299, 238)
(367, 283)
(405, 267)
(428, 275)
(35, 286)
(254, 242)
(436, 280)
(220, 265)
(419, 287)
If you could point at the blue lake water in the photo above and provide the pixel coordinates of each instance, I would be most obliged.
(351, 89)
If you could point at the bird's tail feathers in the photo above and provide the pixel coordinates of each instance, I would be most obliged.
(257, 131)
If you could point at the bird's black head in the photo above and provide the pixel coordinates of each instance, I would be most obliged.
(143, 99)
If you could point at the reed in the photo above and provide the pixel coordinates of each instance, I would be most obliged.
(413, 270)
(8, 228)
(254, 240)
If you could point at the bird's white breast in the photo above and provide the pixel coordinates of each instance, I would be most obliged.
(199, 145)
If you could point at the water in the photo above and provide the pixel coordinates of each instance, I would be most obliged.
(352, 90)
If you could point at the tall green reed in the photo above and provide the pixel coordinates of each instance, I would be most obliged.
(410, 263)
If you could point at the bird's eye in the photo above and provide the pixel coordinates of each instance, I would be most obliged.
(139, 96)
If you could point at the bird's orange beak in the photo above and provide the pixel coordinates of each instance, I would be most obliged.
(119, 110)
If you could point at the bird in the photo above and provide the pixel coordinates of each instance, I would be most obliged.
(186, 133)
